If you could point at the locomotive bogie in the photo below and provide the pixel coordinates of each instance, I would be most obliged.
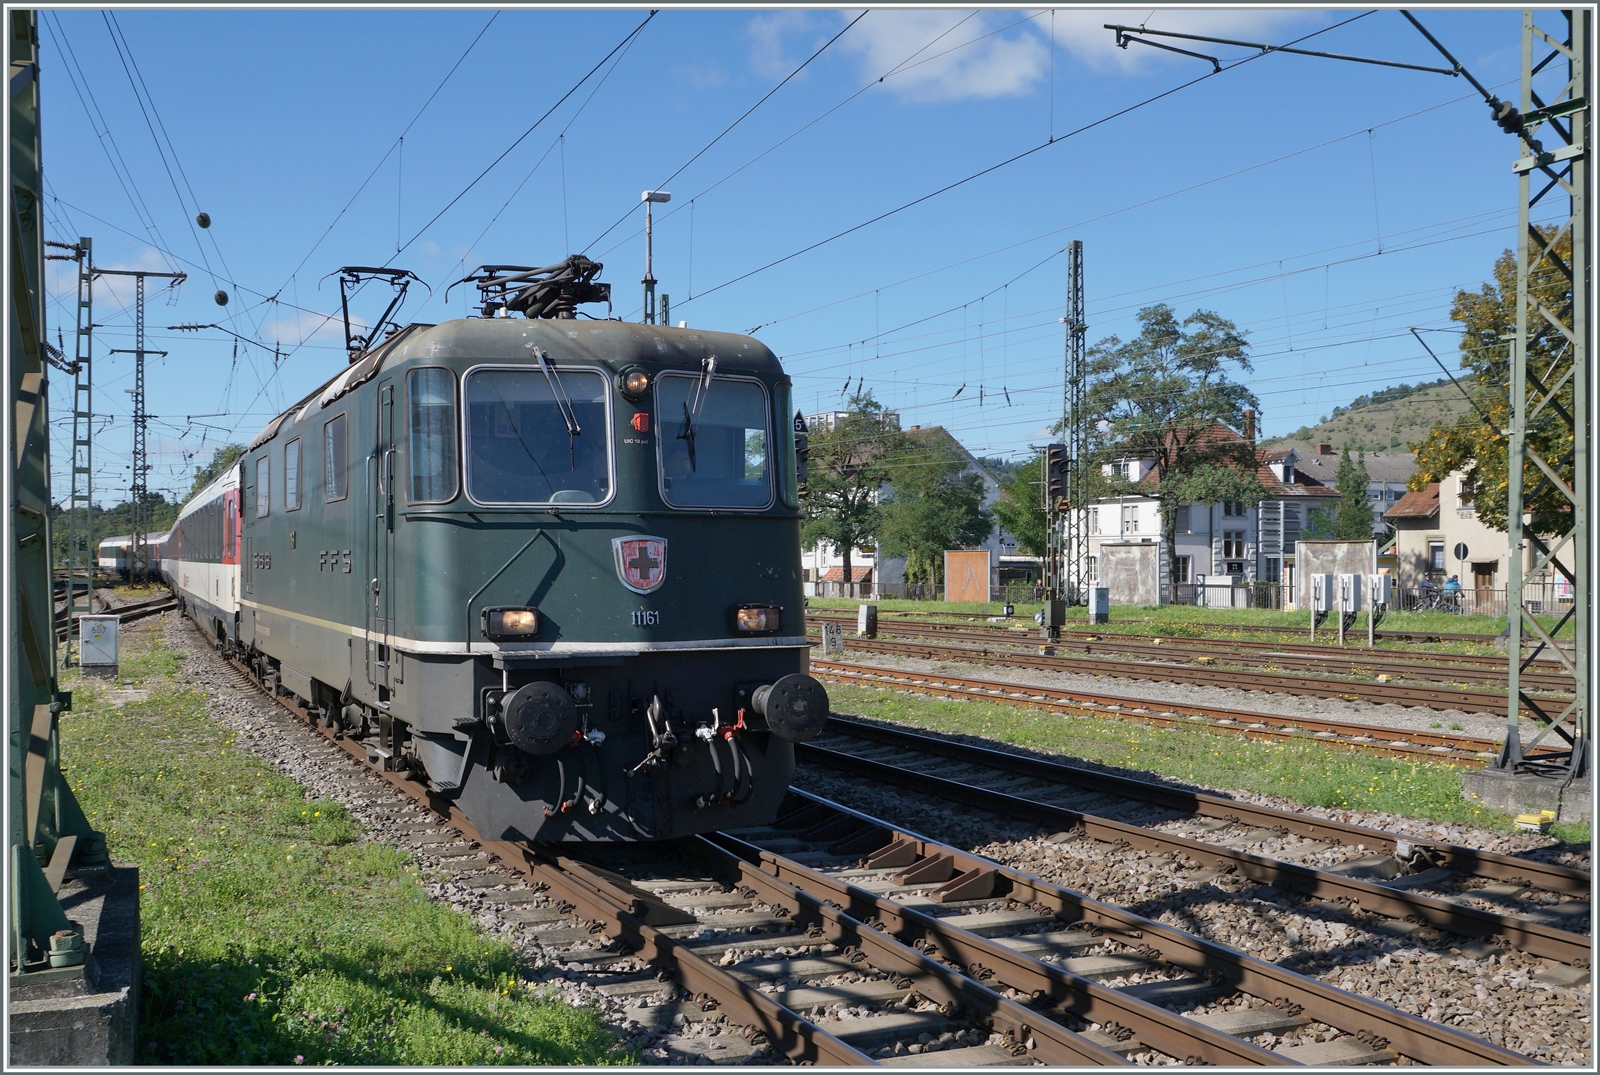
(546, 565)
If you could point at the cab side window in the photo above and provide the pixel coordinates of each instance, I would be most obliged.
(335, 443)
(291, 475)
(263, 486)
(431, 434)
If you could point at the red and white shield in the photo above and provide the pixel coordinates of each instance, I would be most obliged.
(641, 562)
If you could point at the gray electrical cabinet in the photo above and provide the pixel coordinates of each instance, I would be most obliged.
(97, 651)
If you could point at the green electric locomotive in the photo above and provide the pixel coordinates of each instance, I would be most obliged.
(549, 564)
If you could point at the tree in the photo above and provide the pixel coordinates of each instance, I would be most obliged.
(845, 472)
(1020, 509)
(1349, 518)
(933, 504)
(1161, 396)
(1473, 443)
(221, 459)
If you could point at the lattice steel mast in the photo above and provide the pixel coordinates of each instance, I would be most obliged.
(1074, 536)
(81, 551)
(138, 487)
(1550, 387)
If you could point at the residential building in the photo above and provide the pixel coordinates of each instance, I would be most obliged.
(1387, 474)
(1438, 534)
(1244, 542)
(891, 571)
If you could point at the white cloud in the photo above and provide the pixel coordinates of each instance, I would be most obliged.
(300, 326)
(779, 41)
(950, 55)
(1081, 33)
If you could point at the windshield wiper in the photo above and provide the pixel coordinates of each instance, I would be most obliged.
(568, 415)
(702, 388)
(563, 401)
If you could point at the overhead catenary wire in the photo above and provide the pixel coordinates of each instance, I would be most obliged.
(742, 117)
(1014, 158)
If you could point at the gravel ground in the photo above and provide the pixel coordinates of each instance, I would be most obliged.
(1411, 718)
(1502, 996)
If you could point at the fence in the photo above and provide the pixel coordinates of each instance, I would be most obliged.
(1229, 595)
(1021, 594)
(1540, 598)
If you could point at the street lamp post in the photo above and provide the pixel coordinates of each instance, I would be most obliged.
(650, 197)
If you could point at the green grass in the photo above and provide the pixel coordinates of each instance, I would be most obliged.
(271, 934)
(1306, 773)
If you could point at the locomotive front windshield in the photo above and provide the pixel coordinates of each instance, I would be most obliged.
(714, 442)
(520, 449)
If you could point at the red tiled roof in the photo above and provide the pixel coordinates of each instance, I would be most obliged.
(1304, 484)
(836, 574)
(1417, 504)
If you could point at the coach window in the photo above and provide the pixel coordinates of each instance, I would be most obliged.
(431, 394)
(291, 475)
(334, 442)
(263, 486)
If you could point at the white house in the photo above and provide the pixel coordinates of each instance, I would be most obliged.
(1244, 542)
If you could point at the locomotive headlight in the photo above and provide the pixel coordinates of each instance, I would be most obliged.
(635, 383)
(511, 623)
(758, 619)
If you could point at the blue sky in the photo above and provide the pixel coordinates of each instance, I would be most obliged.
(1323, 206)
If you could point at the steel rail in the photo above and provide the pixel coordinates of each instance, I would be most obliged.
(1391, 633)
(1547, 876)
(1440, 667)
(1435, 697)
(1047, 986)
(1369, 1020)
(844, 925)
(1457, 750)
(623, 915)
(1531, 937)
(124, 613)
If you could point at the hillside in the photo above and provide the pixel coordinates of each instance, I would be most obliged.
(1385, 426)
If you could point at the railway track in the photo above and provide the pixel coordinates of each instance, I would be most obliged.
(1390, 634)
(125, 613)
(1448, 747)
(1456, 668)
(1535, 907)
(1427, 696)
(837, 938)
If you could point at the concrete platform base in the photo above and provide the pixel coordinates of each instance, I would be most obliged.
(85, 1016)
(1514, 793)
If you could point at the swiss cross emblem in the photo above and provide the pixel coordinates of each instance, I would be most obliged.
(641, 562)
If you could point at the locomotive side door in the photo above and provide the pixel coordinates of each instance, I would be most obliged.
(380, 580)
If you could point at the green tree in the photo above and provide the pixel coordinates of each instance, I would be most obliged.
(846, 470)
(221, 459)
(1161, 396)
(1352, 519)
(933, 504)
(1474, 445)
(1020, 509)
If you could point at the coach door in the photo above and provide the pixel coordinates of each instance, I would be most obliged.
(380, 580)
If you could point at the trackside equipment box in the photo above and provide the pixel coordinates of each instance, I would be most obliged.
(98, 642)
